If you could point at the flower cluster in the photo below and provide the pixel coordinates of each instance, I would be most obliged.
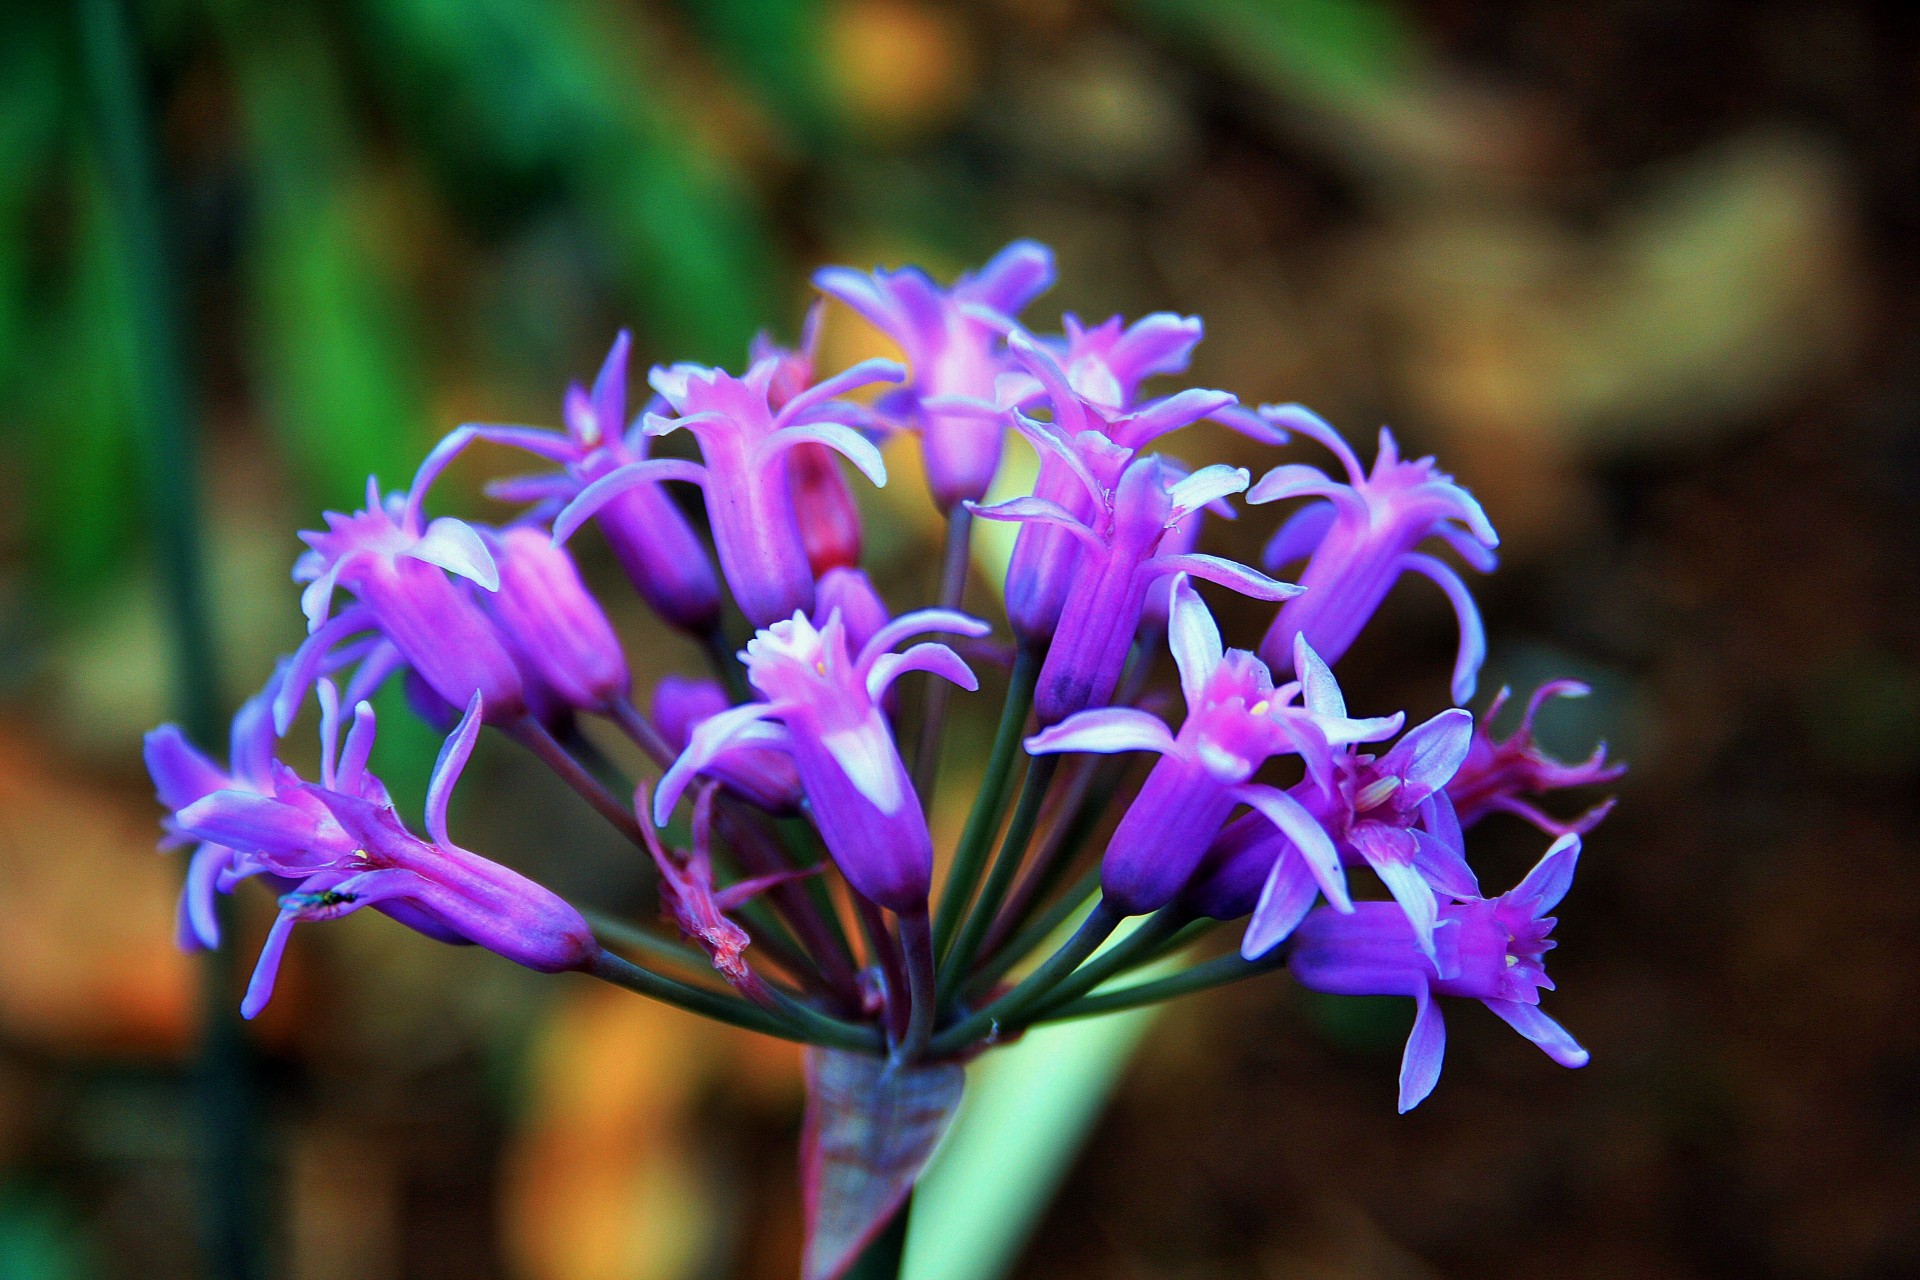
(806, 897)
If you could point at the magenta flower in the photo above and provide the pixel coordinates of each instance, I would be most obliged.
(345, 848)
(1135, 503)
(822, 500)
(826, 704)
(1497, 774)
(744, 443)
(397, 569)
(1235, 723)
(1093, 413)
(1491, 950)
(952, 341)
(646, 531)
(1359, 537)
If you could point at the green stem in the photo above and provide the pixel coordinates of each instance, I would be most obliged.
(916, 948)
(991, 1021)
(730, 1009)
(1036, 931)
(1026, 815)
(1213, 973)
(633, 938)
(1131, 951)
(989, 803)
(164, 428)
(535, 737)
(933, 715)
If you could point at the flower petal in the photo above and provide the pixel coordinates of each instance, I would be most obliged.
(446, 770)
(1104, 731)
(1194, 638)
(1284, 901)
(934, 659)
(454, 546)
(1426, 759)
(1299, 826)
(1542, 1030)
(1543, 887)
(1473, 636)
(1420, 1064)
(866, 754)
(1228, 573)
(611, 485)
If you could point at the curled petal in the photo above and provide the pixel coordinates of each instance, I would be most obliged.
(1194, 638)
(1430, 754)
(934, 659)
(267, 968)
(1208, 484)
(454, 753)
(918, 622)
(1318, 688)
(1420, 1065)
(454, 546)
(1031, 510)
(1299, 826)
(1542, 1030)
(843, 440)
(1295, 480)
(1104, 731)
(610, 486)
(1016, 276)
(1299, 537)
(1228, 573)
(1550, 878)
(1473, 636)
(733, 727)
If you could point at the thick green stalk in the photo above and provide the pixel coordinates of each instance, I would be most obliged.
(1035, 931)
(983, 819)
(1008, 1009)
(1026, 815)
(721, 1007)
(1131, 951)
(1213, 973)
(164, 427)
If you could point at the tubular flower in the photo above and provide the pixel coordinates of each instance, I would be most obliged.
(1095, 401)
(952, 341)
(822, 499)
(1234, 724)
(826, 703)
(1135, 502)
(1359, 537)
(552, 622)
(397, 569)
(1490, 950)
(1497, 774)
(645, 529)
(182, 775)
(744, 443)
(345, 848)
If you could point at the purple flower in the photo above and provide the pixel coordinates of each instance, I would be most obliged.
(552, 622)
(182, 774)
(1135, 502)
(397, 571)
(744, 442)
(760, 775)
(1496, 774)
(1389, 813)
(345, 848)
(822, 500)
(1235, 723)
(1359, 537)
(1490, 950)
(1090, 399)
(826, 703)
(862, 611)
(649, 535)
(952, 341)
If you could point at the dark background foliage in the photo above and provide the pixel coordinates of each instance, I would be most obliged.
(1641, 274)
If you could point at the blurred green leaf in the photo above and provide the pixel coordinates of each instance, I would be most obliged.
(776, 46)
(1330, 52)
(576, 104)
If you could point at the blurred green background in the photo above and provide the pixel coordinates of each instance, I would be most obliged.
(1642, 274)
